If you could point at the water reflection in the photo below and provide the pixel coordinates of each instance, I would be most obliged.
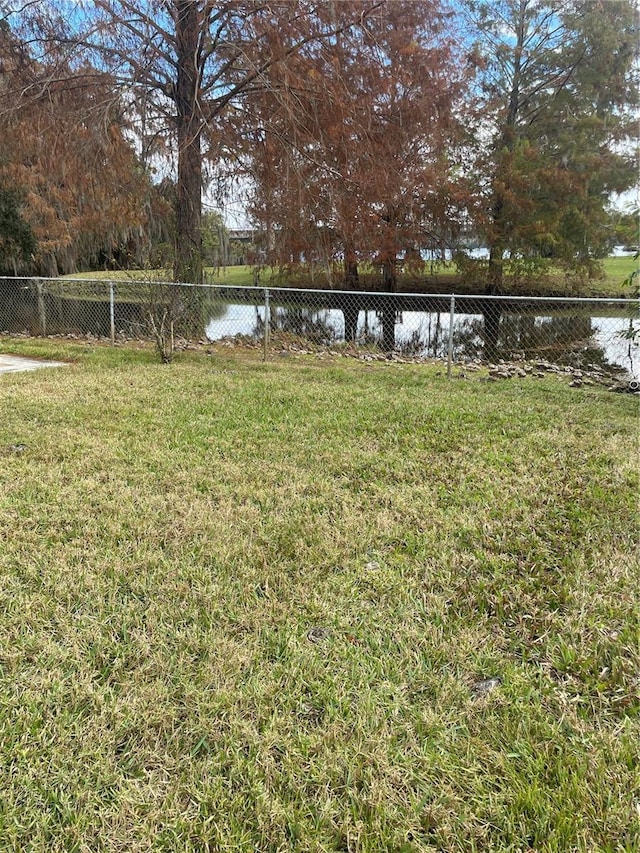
(308, 323)
(575, 339)
(565, 336)
(578, 340)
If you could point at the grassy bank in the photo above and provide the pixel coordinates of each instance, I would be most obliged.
(254, 607)
(438, 278)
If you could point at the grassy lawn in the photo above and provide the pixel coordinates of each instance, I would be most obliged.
(438, 278)
(241, 276)
(617, 269)
(251, 607)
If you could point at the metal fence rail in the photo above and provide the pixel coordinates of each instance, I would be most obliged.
(586, 334)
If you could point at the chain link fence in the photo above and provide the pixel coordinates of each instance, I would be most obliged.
(582, 334)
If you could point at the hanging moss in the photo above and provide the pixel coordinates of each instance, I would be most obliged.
(17, 243)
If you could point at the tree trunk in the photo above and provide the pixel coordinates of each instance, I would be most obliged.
(389, 283)
(351, 279)
(499, 241)
(497, 246)
(491, 316)
(188, 260)
(389, 277)
(496, 269)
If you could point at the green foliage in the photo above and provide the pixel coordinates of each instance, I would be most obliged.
(632, 279)
(215, 240)
(560, 88)
(624, 228)
(17, 243)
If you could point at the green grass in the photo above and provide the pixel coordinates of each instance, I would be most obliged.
(171, 534)
(438, 278)
(240, 276)
(619, 268)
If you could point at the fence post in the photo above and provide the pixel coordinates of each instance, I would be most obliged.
(42, 311)
(112, 315)
(450, 347)
(267, 324)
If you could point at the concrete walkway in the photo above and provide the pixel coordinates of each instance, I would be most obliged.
(14, 363)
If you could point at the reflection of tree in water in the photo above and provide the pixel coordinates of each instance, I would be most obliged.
(562, 339)
(17, 307)
(468, 338)
(191, 308)
(414, 344)
(435, 342)
(308, 323)
(214, 308)
(369, 334)
(428, 340)
(41, 309)
(431, 338)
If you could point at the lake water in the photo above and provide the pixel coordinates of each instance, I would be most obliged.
(565, 333)
(579, 339)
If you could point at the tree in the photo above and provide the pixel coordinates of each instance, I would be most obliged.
(624, 228)
(82, 192)
(17, 243)
(189, 65)
(216, 248)
(357, 162)
(557, 87)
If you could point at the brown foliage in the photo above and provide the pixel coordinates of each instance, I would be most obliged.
(355, 158)
(64, 147)
(193, 65)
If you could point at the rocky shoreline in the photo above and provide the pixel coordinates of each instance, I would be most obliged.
(593, 375)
